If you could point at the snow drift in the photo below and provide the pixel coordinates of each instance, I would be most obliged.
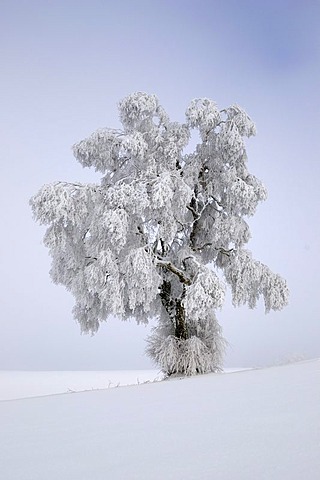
(258, 424)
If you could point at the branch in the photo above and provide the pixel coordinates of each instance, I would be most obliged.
(195, 214)
(90, 260)
(68, 184)
(224, 251)
(203, 246)
(218, 203)
(180, 274)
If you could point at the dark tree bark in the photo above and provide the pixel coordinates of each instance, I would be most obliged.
(175, 310)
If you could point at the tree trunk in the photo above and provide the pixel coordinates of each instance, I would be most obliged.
(167, 302)
(175, 310)
(180, 320)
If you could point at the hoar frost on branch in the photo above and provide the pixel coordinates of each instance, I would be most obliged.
(148, 240)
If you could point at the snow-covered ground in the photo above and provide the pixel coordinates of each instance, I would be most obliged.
(23, 384)
(251, 425)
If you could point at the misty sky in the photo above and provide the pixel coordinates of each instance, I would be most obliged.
(64, 67)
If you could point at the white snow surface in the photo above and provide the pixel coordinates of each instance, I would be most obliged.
(23, 384)
(250, 425)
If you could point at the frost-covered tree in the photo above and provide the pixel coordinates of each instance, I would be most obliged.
(148, 241)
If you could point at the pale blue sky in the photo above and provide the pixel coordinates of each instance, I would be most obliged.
(64, 67)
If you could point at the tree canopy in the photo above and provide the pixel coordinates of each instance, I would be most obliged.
(164, 232)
